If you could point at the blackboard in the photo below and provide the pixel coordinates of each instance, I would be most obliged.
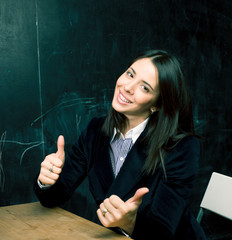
(59, 61)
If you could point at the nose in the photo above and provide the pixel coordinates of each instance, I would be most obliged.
(130, 87)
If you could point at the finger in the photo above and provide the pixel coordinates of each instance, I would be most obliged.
(117, 209)
(116, 202)
(56, 170)
(60, 148)
(45, 180)
(137, 198)
(107, 206)
(51, 166)
(47, 173)
(106, 219)
(54, 160)
(101, 217)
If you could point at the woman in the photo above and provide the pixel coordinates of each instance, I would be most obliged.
(141, 160)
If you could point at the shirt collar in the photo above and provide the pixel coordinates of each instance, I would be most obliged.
(133, 133)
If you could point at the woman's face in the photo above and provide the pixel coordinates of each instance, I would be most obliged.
(137, 90)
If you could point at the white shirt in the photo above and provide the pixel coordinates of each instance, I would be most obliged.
(133, 133)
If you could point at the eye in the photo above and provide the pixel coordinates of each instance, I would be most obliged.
(129, 74)
(146, 89)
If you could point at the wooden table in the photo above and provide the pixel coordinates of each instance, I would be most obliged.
(34, 222)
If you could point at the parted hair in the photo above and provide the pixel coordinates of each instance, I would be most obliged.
(174, 118)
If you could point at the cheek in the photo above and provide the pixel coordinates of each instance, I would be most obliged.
(141, 98)
(145, 101)
(118, 85)
(119, 81)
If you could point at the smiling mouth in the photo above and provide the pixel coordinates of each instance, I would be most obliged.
(123, 99)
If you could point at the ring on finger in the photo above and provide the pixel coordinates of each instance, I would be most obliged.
(51, 168)
(104, 211)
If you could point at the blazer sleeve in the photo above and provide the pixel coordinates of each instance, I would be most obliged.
(161, 214)
(73, 173)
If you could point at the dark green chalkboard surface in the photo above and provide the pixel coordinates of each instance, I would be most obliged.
(59, 60)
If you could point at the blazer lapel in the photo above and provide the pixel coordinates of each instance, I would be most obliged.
(131, 171)
(101, 173)
(101, 177)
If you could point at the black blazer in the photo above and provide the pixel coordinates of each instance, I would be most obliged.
(163, 212)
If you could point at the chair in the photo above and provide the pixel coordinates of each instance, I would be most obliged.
(218, 196)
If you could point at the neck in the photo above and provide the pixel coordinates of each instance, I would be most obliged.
(132, 123)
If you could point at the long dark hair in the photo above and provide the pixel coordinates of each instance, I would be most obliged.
(174, 119)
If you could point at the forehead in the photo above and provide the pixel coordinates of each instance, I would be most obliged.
(146, 70)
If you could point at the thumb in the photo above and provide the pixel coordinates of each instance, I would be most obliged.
(137, 198)
(60, 147)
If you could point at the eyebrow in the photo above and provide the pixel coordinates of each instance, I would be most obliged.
(133, 70)
(142, 80)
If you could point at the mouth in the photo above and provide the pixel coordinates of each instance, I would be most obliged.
(122, 99)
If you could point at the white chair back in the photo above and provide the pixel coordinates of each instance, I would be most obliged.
(218, 196)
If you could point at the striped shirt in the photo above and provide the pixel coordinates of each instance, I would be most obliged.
(120, 145)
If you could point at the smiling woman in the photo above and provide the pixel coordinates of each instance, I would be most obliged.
(141, 159)
(156, 84)
(136, 92)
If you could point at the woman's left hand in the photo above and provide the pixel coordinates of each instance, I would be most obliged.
(114, 212)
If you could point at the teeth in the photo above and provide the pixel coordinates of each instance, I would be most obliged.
(123, 99)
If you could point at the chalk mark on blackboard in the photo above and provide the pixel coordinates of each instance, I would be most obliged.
(20, 143)
(36, 145)
(78, 121)
(39, 70)
(2, 174)
(65, 104)
(3, 141)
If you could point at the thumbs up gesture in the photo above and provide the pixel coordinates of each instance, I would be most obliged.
(114, 212)
(52, 165)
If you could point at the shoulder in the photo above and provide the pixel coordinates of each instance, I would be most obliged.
(95, 123)
(190, 144)
(184, 157)
(93, 128)
(97, 120)
(88, 134)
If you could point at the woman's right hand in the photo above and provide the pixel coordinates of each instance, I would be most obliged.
(52, 165)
